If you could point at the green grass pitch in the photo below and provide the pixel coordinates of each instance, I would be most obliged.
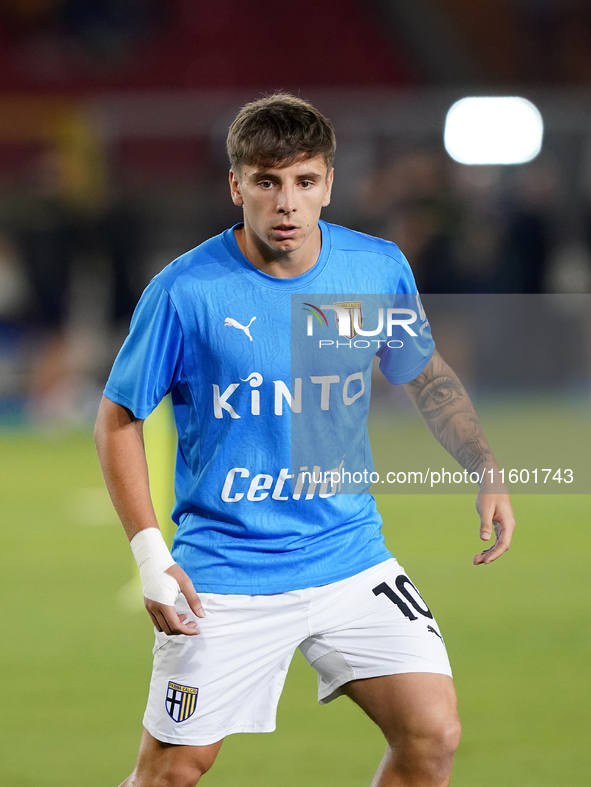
(74, 665)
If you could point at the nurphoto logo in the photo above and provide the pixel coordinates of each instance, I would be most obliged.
(350, 321)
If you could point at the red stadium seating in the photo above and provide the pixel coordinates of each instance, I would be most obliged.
(217, 45)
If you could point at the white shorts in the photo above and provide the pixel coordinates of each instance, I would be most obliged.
(229, 677)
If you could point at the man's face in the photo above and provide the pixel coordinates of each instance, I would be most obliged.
(282, 204)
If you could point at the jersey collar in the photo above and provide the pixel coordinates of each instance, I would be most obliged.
(293, 283)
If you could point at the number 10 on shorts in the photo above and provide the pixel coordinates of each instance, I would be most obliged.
(401, 583)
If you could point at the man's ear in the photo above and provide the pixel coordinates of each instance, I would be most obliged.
(235, 188)
(329, 181)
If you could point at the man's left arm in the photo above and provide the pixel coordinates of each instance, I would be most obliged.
(442, 401)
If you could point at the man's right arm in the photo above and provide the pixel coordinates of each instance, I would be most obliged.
(120, 446)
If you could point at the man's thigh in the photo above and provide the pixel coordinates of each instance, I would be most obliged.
(421, 704)
(158, 760)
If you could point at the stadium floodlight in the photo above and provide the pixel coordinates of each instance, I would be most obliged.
(493, 130)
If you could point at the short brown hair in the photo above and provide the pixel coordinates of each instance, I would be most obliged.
(277, 130)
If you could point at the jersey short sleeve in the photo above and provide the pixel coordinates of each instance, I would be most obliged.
(402, 364)
(149, 362)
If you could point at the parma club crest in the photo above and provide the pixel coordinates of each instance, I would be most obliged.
(180, 701)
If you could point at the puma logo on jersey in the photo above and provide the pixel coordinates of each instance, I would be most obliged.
(230, 322)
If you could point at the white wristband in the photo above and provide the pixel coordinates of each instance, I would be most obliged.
(153, 558)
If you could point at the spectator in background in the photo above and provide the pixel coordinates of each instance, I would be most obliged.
(411, 199)
(46, 233)
(464, 230)
(527, 241)
(80, 265)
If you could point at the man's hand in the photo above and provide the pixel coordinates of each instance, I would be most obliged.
(495, 511)
(166, 618)
(163, 581)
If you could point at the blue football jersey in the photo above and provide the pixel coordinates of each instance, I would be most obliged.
(270, 381)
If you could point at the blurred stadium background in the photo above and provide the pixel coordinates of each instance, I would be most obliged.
(113, 116)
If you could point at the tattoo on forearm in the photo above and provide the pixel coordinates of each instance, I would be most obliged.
(443, 402)
(473, 452)
(438, 396)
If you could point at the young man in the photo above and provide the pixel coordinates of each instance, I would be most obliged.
(260, 564)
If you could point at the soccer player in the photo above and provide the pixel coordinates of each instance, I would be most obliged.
(268, 557)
